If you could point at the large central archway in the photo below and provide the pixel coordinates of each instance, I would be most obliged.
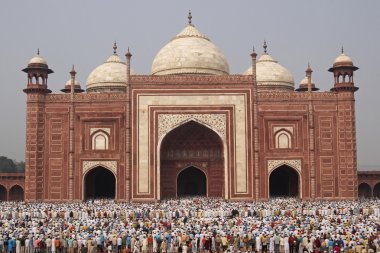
(284, 182)
(194, 146)
(191, 182)
(99, 183)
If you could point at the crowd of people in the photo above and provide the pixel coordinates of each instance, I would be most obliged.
(193, 225)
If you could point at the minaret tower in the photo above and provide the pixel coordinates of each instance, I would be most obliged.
(343, 69)
(255, 124)
(36, 91)
(128, 132)
(38, 72)
(345, 173)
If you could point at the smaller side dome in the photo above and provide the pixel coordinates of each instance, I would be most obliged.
(343, 60)
(270, 74)
(304, 85)
(109, 76)
(37, 60)
(77, 87)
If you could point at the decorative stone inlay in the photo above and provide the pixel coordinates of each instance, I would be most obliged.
(104, 129)
(289, 129)
(273, 164)
(88, 165)
(166, 122)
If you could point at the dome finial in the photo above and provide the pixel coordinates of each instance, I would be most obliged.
(265, 46)
(38, 51)
(253, 49)
(342, 50)
(114, 47)
(73, 72)
(189, 17)
(308, 70)
(128, 53)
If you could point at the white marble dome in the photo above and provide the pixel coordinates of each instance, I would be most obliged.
(37, 60)
(305, 81)
(270, 73)
(343, 60)
(68, 83)
(190, 52)
(112, 73)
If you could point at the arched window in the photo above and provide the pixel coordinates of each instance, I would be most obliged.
(41, 80)
(35, 79)
(283, 139)
(100, 141)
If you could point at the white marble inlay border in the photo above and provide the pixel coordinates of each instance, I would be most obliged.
(104, 129)
(88, 165)
(167, 122)
(274, 164)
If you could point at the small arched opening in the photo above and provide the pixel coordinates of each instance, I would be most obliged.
(364, 191)
(284, 182)
(100, 141)
(99, 183)
(16, 193)
(283, 139)
(376, 190)
(191, 182)
(3, 193)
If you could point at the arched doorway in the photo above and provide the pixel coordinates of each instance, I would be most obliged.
(16, 193)
(3, 193)
(376, 190)
(284, 182)
(364, 190)
(99, 183)
(191, 145)
(191, 182)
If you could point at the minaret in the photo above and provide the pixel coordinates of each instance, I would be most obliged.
(36, 91)
(128, 133)
(128, 55)
(311, 132)
(343, 69)
(72, 135)
(345, 173)
(255, 125)
(38, 72)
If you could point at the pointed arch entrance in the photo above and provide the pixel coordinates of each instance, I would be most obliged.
(376, 190)
(99, 183)
(3, 193)
(364, 190)
(198, 148)
(284, 181)
(191, 182)
(16, 193)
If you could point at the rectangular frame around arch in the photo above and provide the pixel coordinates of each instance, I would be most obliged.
(143, 187)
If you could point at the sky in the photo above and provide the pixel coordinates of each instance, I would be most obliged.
(82, 33)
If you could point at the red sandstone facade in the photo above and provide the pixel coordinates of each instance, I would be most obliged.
(164, 135)
(323, 139)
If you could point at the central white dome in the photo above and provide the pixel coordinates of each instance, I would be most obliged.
(190, 52)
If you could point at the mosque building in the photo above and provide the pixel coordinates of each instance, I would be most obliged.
(190, 128)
